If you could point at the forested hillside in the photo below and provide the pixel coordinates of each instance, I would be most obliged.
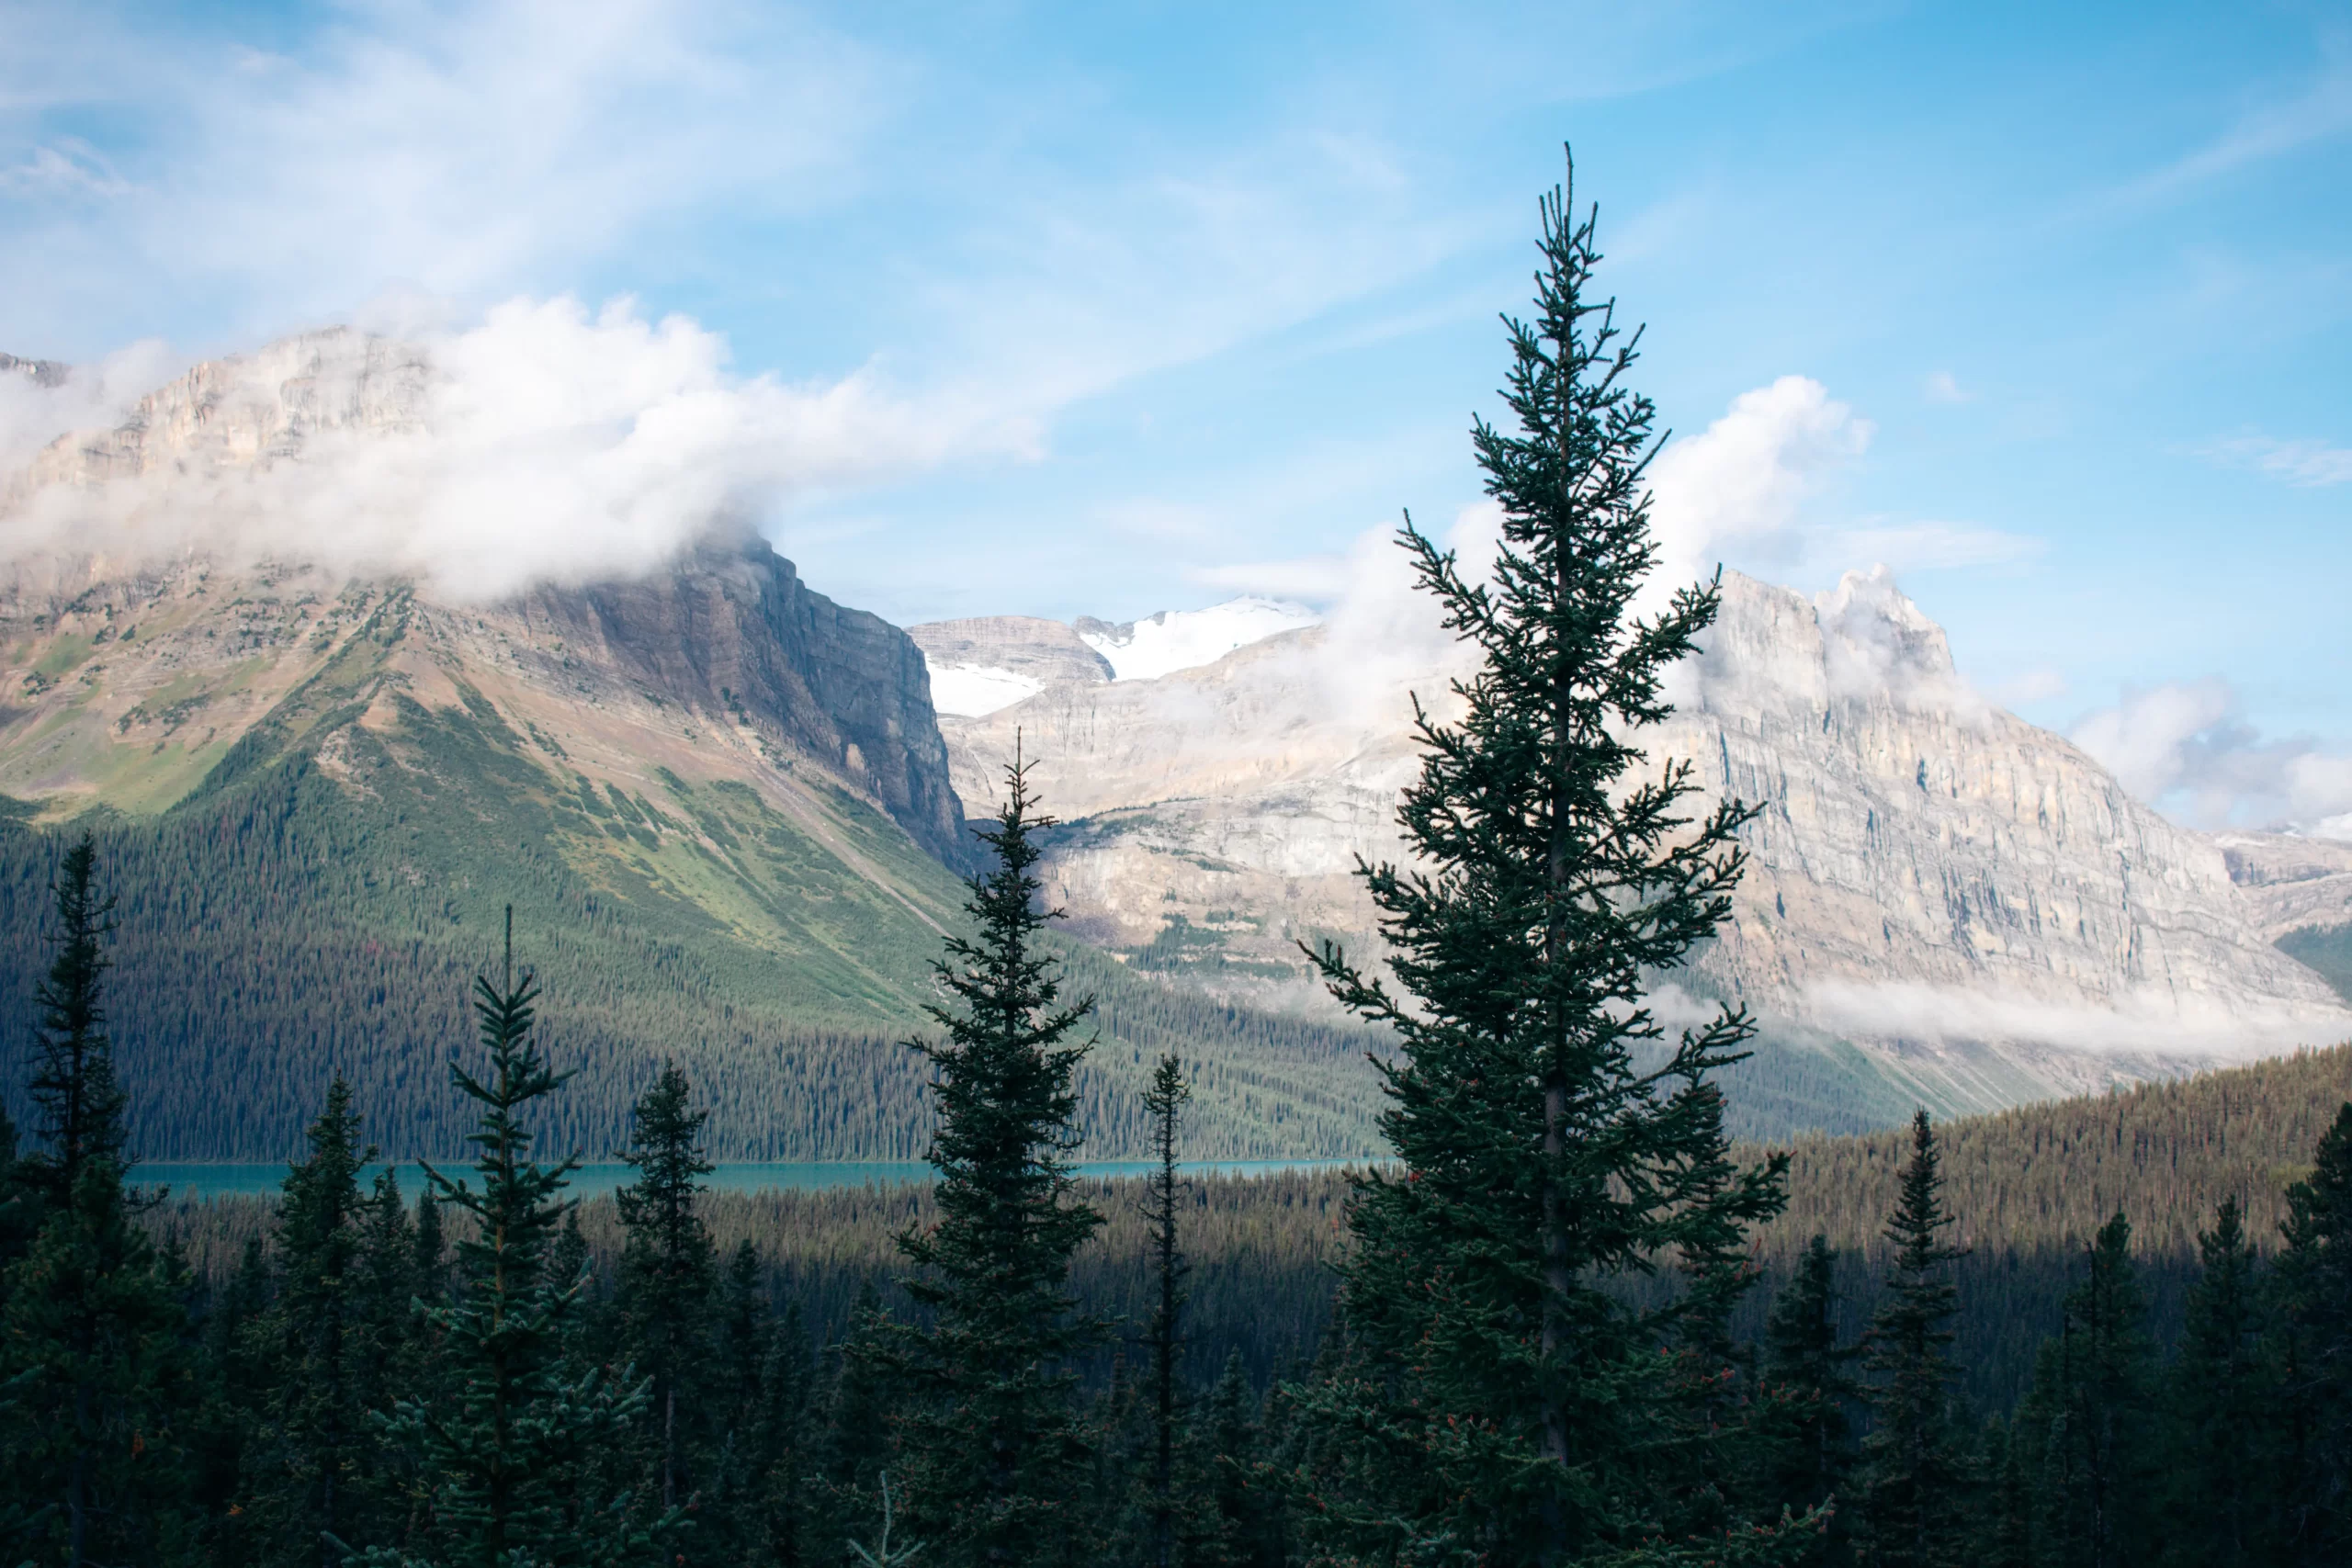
(319, 902)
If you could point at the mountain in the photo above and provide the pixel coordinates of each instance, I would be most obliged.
(718, 801)
(1944, 903)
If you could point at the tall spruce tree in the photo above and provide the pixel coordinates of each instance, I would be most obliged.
(1808, 1374)
(1164, 1102)
(669, 1266)
(93, 1316)
(995, 1457)
(2315, 1280)
(74, 1092)
(505, 1442)
(2093, 1409)
(1914, 1507)
(1502, 1402)
(325, 1332)
(2221, 1393)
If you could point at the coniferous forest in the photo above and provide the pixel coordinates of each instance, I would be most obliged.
(1570, 1321)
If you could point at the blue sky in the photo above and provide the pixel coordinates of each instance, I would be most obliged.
(1171, 300)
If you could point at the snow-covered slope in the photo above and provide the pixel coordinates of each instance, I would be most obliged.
(1186, 640)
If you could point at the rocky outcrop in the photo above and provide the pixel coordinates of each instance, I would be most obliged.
(250, 412)
(40, 372)
(1930, 876)
(732, 631)
(2290, 882)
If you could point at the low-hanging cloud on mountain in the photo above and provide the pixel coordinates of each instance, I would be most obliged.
(546, 443)
(2185, 747)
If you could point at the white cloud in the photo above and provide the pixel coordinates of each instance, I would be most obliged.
(1736, 489)
(1941, 387)
(2183, 747)
(1738, 494)
(2149, 1025)
(543, 444)
(2306, 464)
(65, 167)
(31, 415)
(457, 148)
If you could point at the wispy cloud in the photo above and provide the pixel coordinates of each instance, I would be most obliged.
(2322, 111)
(1942, 387)
(67, 166)
(2306, 464)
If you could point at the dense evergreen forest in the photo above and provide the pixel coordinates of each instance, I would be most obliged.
(279, 929)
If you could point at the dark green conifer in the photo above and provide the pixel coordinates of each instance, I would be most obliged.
(2315, 1280)
(2220, 1487)
(72, 1088)
(2094, 1410)
(1502, 1402)
(93, 1317)
(326, 1336)
(995, 1458)
(96, 1320)
(668, 1265)
(1913, 1510)
(505, 1440)
(1807, 1375)
(1164, 1102)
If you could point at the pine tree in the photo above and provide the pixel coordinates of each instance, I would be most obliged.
(669, 1266)
(326, 1333)
(1243, 1512)
(2093, 1396)
(1164, 1102)
(72, 1088)
(503, 1447)
(2314, 1279)
(860, 1410)
(995, 1457)
(2220, 1396)
(93, 1317)
(1913, 1503)
(1504, 1403)
(1807, 1371)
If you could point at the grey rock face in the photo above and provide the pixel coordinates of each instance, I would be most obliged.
(732, 629)
(250, 412)
(1044, 651)
(2289, 883)
(40, 372)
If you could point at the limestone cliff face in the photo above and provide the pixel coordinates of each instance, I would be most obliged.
(732, 633)
(250, 412)
(1931, 876)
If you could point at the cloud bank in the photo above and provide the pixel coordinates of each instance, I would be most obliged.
(548, 443)
(2185, 747)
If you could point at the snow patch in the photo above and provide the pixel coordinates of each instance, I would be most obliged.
(1185, 639)
(969, 690)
